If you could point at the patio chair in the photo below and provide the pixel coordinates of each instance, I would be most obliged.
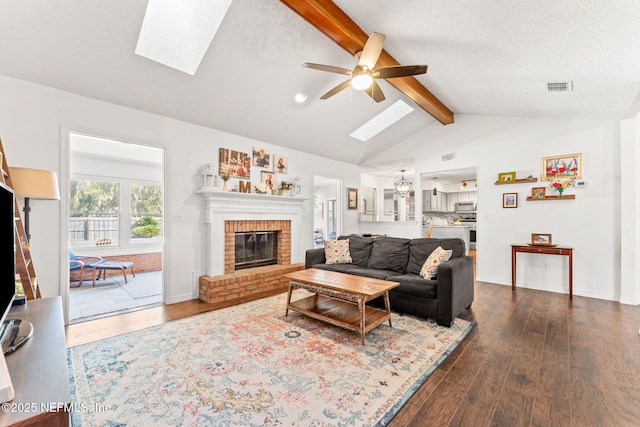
(83, 263)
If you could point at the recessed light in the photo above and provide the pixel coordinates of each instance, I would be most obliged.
(300, 97)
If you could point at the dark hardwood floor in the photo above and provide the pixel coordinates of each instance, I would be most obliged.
(535, 358)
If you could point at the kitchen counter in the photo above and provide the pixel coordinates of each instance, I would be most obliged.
(461, 231)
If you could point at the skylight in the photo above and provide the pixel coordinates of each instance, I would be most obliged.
(178, 33)
(382, 121)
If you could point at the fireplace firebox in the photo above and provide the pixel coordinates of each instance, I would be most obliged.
(255, 249)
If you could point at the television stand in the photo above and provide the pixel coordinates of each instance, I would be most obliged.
(39, 370)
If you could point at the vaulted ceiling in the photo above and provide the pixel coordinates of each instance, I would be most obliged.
(487, 58)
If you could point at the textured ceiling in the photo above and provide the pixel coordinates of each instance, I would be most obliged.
(487, 58)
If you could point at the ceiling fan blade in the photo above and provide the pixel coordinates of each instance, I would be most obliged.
(328, 68)
(398, 71)
(375, 92)
(372, 50)
(337, 89)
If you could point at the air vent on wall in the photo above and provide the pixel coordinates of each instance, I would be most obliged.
(560, 86)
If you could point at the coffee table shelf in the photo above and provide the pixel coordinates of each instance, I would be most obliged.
(338, 313)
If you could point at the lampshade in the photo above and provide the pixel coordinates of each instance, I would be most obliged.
(35, 183)
(403, 186)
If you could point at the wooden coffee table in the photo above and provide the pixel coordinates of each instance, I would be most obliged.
(340, 299)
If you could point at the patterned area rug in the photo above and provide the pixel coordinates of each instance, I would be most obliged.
(250, 365)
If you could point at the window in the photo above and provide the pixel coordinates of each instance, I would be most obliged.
(146, 212)
(118, 213)
(94, 212)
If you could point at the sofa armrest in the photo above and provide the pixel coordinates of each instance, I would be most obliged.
(313, 257)
(455, 288)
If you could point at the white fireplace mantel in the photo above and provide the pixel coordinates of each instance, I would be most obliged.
(234, 206)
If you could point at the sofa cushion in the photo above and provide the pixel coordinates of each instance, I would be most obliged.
(372, 273)
(359, 248)
(340, 268)
(420, 249)
(389, 253)
(337, 251)
(414, 285)
(430, 267)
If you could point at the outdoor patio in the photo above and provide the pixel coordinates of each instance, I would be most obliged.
(112, 296)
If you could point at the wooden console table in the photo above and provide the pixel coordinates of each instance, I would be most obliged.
(546, 250)
(38, 369)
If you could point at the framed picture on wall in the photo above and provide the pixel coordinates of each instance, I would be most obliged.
(352, 198)
(562, 167)
(509, 200)
(281, 164)
(261, 157)
(234, 163)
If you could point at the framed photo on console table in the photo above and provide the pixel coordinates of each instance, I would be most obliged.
(541, 239)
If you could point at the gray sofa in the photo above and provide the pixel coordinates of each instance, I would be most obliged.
(400, 260)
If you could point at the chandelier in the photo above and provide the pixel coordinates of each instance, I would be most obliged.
(403, 186)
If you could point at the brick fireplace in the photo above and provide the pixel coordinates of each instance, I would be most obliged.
(228, 213)
(283, 227)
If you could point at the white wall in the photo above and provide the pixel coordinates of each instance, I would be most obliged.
(630, 211)
(590, 223)
(33, 123)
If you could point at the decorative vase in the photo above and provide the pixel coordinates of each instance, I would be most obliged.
(224, 186)
(283, 192)
(560, 192)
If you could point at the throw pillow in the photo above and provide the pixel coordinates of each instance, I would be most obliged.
(430, 266)
(337, 251)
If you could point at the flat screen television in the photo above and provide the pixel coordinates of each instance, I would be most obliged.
(13, 332)
(7, 250)
(7, 281)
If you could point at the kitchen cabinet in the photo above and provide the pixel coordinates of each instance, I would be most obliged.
(426, 200)
(452, 199)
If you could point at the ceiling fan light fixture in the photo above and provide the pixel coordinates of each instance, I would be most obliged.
(361, 80)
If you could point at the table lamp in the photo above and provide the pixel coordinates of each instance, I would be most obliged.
(34, 184)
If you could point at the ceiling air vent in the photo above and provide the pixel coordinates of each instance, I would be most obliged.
(560, 86)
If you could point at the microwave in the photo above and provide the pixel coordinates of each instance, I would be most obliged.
(463, 207)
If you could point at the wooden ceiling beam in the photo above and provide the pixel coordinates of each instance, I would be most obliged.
(330, 20)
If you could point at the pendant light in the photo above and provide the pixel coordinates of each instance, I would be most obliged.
(403, 186)
(435, 190)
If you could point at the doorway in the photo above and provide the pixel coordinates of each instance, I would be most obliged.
(115, 223)
(449, 198)
(327, 224)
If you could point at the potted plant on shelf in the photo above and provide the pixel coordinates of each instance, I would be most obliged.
(225, 178)
(285, 188)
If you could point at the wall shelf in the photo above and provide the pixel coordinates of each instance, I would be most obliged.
(565, 197)
(517, 181)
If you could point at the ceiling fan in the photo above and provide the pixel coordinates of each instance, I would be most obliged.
(364, 74)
